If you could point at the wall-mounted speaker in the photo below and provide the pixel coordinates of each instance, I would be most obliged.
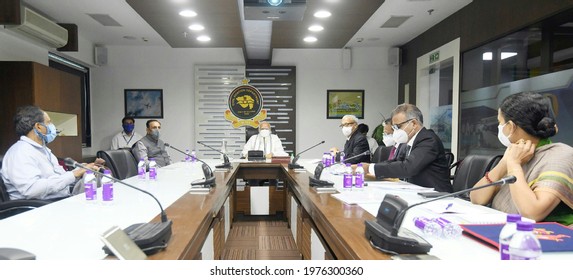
(346, 58)
(100, 56)
(395, 56)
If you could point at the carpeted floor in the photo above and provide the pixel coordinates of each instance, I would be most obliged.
(260, 239)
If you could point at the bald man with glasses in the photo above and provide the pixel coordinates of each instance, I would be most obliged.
(422, 161)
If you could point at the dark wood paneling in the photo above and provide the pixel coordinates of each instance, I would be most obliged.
(476, 24)
(72, 45)
(10, 12)
(30, 83)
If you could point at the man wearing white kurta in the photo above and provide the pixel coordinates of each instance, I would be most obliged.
(269, 143)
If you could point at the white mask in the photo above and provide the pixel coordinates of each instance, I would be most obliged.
(388, 140)
(502, 138)
(265, 133)
(347, 130)
(400, 136)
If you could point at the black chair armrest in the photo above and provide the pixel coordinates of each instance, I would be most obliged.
(13, 207)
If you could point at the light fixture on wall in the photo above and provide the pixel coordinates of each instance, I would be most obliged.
(504, 55)
(274, 2)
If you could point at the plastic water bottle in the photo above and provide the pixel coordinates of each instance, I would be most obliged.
(506, 233)
(429, 228)
(524, 245)
(107, 189)
(223, 149)
(90, 185)
(347, 178)
(449, 230)
(152, 169)
(187, 156)
(193, 156)
(332, 158)
(342, 157)
(141, 169)
(326, 157)
(359, 177)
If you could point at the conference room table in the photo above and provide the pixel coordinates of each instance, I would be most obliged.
(71, 228)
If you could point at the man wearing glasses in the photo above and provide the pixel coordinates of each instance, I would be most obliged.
(356, 142)
(424, 162)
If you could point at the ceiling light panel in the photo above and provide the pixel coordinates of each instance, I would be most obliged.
(395, 21)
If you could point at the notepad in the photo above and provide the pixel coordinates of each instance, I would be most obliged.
(554, 237)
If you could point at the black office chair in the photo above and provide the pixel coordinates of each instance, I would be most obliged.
(381, 154)
(121, 162)
(450, 158)
(471, 169)
(249, 132)
(9, 207)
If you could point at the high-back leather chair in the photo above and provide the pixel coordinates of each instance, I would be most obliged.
(12, 207)
(471, 169)
(450, 158)
(121, 162)
(381, 154)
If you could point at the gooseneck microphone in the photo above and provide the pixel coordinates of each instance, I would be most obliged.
(150, 237)
(207, 171)
(383, 233)
(293, 164)
(367, 152)
(226, 164)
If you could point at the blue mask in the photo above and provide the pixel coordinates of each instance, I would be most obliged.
(128, 128)
(50, 135)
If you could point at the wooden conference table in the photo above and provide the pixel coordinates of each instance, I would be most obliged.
(324, 227)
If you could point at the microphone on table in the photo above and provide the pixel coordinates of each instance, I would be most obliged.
(293, 164)
(367, 152)
(207, 171)
(150, 237)
(383, 233)
(226, 164)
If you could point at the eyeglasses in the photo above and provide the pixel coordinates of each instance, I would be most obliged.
(399, 126)
(346, 124)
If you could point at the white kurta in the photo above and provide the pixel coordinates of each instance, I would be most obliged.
(268, 145)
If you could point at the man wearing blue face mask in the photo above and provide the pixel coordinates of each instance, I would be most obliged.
(151, 146)
(421, 158)
(127, 137)
(29, 169)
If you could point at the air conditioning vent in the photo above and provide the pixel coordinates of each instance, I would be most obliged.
(41, 29)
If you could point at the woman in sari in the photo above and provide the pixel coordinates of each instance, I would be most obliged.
(543, 190)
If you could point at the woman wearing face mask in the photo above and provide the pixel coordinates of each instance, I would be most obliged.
(29, 168)
(543, 190)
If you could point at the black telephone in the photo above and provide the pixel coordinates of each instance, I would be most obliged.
(385, 234)
(315, 181)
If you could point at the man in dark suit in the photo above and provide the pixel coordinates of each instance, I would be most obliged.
(422, 161)
(356, 142)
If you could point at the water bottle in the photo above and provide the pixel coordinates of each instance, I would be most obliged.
(449, 230)
(107, 188)
(223, 149)
(193, 156)
(152, 169)
(524, 245)
(347, 178)
(342, 154)
(141, 169)
(506, 233)
(358, 177)
(429, 228)
(326, 159)
(332, 158)
(187, 156)
(90, 185)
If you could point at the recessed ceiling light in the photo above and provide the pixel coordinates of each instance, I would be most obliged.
(316, 28)
(274, 2)
(196, 27)
(187, 13)
(204, 38)
(310, 39)
(322, 14)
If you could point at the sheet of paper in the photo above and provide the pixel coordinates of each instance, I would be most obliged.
(393, 185)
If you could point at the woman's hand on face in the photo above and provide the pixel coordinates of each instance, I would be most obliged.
(519, 152)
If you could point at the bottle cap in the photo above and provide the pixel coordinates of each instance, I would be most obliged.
(89, 171)
(524, 226)
(512, 218)
(348, 164)
(107, 172)
(360, 164)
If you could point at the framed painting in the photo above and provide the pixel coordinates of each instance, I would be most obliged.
(144, 103)
(340, 102)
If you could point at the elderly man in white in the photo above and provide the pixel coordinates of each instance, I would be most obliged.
(269, 143)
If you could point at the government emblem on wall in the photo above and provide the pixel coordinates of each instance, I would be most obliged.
(245, 106)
